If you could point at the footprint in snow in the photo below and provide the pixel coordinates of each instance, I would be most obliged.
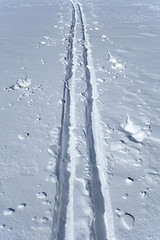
(127, 219)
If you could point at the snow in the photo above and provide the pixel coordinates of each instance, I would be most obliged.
(135, 132)
(80, 131)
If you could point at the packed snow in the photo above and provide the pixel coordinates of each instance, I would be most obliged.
(79, 120)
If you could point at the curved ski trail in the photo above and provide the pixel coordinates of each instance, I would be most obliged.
(82, 205)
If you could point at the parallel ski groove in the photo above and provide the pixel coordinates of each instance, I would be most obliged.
(70, 229)
(62, 173)
(95, 188)
(101, 227)
(97, 134)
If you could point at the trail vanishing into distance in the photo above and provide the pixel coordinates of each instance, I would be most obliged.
(82, 205)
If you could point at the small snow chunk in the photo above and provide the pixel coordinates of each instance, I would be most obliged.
(38, 119)
(100, 80)
(22, 205)
(41, 195)
(119, 212)
(23, 136)
(9, 211)
(42, 61)
(2, 226)
(129, 180)
(24, 82)
(131, 127)
(21, 83)
(104, 36)
(46, 37)
(10, 104)
(46, 202)
(43, 220)
(140, 136)
(125, 196)
(138, 162)
(43, 43)
(115, 63)
(34, 218)
(135, 132)
(143, 193)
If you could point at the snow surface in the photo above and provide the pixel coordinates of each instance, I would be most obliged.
(79, 120)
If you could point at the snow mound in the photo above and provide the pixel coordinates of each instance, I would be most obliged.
(135, 132)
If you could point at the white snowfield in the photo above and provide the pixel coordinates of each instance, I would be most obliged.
(79, 120)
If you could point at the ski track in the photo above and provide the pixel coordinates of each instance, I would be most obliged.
(102, 227)
(95, 188)
(62, 173)
(96, 145)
